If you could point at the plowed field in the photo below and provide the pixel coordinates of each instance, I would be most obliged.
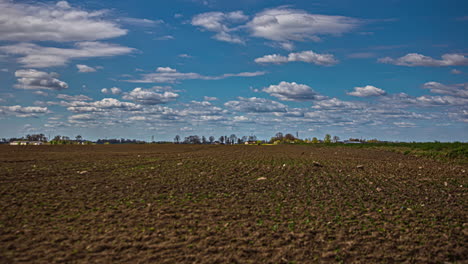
(229, 204)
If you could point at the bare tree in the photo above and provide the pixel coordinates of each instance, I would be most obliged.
(177, 139)
(279, 136)
(336, 139)
(233, 138)
(212, 139)
(221, 139)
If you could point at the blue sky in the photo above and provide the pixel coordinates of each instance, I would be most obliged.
(392, 70)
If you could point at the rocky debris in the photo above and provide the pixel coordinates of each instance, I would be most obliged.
(316, 164)
(261, 179)
(360, 166)
(81, 172)
(179, 164)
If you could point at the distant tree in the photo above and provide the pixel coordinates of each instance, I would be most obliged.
(239, 141)
(79, 138)
(212, 139)
(253, 138)
(233, 138)
(336, 139)
(244, 139)
(192, 140)
(327, 138)
(203, 140)
(221, 139)
(177, 139)
(315, 140)
(289, 137)
(279, 136)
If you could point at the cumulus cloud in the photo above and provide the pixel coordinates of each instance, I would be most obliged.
(241, 119)
(23, 111)
(113, 90)
(305, 56)
(49, 22)
(80, 97)
(35, 56)
(81, 117)
(457, 90)
(169, 75)
(404, 124)
(209, 98)
(85, 68)
(137, 118)
(337, 104)
(219, 22)
(33, 79)
(256, 105)
(455, 71)
(283, 24)
(150, 97)
(415, 59)
(103, 105)
(367, 91)
(287, 91)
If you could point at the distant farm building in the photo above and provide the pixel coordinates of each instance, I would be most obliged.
(23, 143)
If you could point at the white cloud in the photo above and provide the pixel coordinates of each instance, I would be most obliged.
(367, 91)
(140, 22)
(150, 97)
(283, 25)
(457, 90)
(63, 4)
(137, 118)
(256, 105)
(219, 22)
(166, 37)
(337, 104)
(80, 97)
(48, 22)
(35, 56)
(82, 117)
(33, 79)
(226, 37)
(404, 124)
(165, 69)
(241, 119)
(85, 68)
(287, 91)
(21, 111)
(169, 75)
(455, 71)
(186, 56)
(305, 56)
(41, 93)
(415, 59)
(208, 98)
(113, 90)
(101, 106)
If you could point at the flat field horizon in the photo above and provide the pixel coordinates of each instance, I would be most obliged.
(173, 203)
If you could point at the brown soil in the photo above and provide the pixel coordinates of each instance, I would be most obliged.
(206, 204)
